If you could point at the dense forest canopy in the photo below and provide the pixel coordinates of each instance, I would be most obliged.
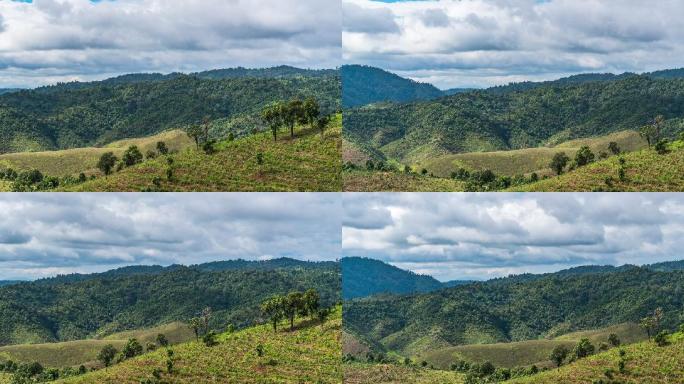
(365, 277)
(363, 85)
(520, 307)
(78, 306)
(90, 114)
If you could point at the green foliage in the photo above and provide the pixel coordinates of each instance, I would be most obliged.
(131, 349)
(106, 163)
(583, 349)
(107, 354)
(558, 355)
(584, 156)
(132, 156)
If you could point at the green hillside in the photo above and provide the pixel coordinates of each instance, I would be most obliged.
(485, 121)
(80, 307)
(358, 373)
(528, 160)
(529, 352)
(309, 354)
(309, 162)
(645, 170)
(76, 115)
(645, 362)
(363, 85)
(506, 310)
(374, 181)
(71, 162)
(77, 352)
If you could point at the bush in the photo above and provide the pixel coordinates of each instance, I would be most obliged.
(132, 156)
(584, 156)
(209, 339)
(162, 148)
(131, 349)
(661, 338)
(661, 147)
(150, 154)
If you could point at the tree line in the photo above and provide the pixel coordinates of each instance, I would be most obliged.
(279, 307)
(286, 114)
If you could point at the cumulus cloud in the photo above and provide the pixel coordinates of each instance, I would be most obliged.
(478, 236)
(50, 40)
(481, 43)
(41, 235)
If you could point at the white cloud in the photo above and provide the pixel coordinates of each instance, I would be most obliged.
(481, 43)
(52, 40)
(458, 235)
(40, 234)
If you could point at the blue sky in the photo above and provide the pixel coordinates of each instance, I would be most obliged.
(46, 234)
(46, 41)
(481, 236)
(480, 43)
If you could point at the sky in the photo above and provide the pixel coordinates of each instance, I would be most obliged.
(45, 41)
(480, 43)
(458, 236)
(43, 235)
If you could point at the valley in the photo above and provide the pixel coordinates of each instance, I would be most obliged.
(502, 137)
(510, 328)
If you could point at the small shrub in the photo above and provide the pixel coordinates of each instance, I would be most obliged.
(661, 338)
(661, 147)
(162, 148)
(260, 350)
(150, 154)
(209, 339)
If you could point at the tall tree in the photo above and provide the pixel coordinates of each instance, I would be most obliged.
(311, 111)
(106, 162)
(107, 354)
(293, 113)
(273, 309)
(291, 306)
(273, 116)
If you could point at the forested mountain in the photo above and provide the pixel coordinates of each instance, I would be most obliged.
(8, 90)
(62, 309)
(487, 121)
(514, 309)
(8, 282)
(91, 114)
(363, 85)
(364, 277)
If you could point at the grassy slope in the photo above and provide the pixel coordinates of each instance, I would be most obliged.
(645, 363)
(525, 161)
(525, 353)
(307, 163)
(357, 373)
(74, 161)
(310, 354)
(74, 353)
(5, 378)
(646, 170)
(358, 181)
